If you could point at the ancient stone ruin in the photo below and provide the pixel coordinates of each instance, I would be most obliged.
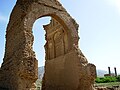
(66, 68)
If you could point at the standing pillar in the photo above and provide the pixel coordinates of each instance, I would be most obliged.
(109, 71)
(115, 71)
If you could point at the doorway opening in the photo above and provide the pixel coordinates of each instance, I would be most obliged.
(38, 46)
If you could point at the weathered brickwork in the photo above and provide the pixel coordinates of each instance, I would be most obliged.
(66, 68)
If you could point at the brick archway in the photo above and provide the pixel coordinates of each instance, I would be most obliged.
(66, 68)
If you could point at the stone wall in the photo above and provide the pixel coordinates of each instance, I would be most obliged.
(69, 68)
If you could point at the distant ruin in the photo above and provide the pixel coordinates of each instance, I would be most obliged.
(66, 68)
(111, 74)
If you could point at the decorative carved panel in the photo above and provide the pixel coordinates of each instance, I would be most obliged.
(57, 42)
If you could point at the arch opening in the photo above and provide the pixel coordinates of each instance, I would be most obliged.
(53, 38)
(39, 39)
(38, 46)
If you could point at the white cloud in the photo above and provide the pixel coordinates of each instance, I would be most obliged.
(115, 3)
(3, 18)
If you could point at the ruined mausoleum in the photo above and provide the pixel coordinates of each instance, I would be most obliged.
(66, 67)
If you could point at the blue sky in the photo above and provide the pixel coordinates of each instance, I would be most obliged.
(99, 30)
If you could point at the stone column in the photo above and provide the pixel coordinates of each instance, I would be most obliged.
(115, 71)
(109, 71)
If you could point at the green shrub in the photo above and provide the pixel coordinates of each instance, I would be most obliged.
(98, 80)
(106, 79)
(118, 78)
